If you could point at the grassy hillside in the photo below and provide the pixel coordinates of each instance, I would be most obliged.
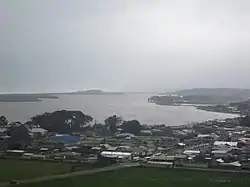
(149, 177)
(20, 169)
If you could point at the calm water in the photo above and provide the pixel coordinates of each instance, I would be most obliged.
(102, 106)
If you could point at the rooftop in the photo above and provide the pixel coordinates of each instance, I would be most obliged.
(219, 143)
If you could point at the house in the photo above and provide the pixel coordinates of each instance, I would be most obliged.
(117, 155)
(38, 132)
(207, 136)
(160, 160)
(2, 131)
(157, 132)
(158, 164)
(223, 143)
(105, 146)
(38, 157)
(146, 132)
(179, 159)
(27, 155)
(67, 155)
(125, 135)
(231, 165)
(14, 152)
(220, 153)
(181, 144)
(191, 152)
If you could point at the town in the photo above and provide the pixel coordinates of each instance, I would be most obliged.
(69, 137)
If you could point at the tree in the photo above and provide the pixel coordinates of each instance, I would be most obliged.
(63, 121)
(245, 121)
(19, 133)
(100, 129)
(157, 143)
(132, 126)
(3, 121)
(112, 122)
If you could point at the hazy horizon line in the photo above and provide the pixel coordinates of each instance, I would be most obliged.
(120, 91)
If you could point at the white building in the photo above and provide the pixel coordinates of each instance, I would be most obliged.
(38, 132)
(2, 131)
(220, 153)
(191, 152)
(118, 155)
(222, 143)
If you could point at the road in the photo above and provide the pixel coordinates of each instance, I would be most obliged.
(73, 174)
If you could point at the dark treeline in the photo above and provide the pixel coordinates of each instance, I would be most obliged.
(69, 122)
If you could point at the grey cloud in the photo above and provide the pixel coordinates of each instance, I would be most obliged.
(136, 45)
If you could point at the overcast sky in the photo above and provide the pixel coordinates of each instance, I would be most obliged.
(126, 45)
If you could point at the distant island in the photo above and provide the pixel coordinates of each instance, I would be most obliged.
(25, 97)
(37, 97)
(94, 92)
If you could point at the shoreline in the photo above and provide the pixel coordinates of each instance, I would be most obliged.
(154, 119)
(208, 110)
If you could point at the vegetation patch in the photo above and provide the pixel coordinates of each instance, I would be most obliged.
(21, 169)
(148, 177)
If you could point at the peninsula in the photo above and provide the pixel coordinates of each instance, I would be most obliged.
(225, 100)
(25, 97)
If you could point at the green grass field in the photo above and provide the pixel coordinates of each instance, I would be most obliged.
(149, 177)
(20, 169)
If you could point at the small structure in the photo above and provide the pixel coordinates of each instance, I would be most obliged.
(105, 146)
(146, 132)
(14, 152)
(207, 136)
(66, 138)
(27, 155)
(117, 155)
(220, 153)
(38, 132)
(222, 143)
(158, 164)
(179, 159)
(96, 149)
(38, 157)
(125, 135)
(232, 165)
(191, 152)
(160, 160)
(59, 141)
(2, 131)
(181, 144)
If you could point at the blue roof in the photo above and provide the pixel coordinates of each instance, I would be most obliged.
(66, 138)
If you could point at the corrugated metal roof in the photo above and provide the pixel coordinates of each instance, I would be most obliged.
(41, 130)
(218, 143)
(191, 152)
(65, 138)
(115, 154)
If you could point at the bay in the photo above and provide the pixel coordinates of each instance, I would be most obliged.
(129, 106)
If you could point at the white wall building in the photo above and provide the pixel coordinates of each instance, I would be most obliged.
(38, 132)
